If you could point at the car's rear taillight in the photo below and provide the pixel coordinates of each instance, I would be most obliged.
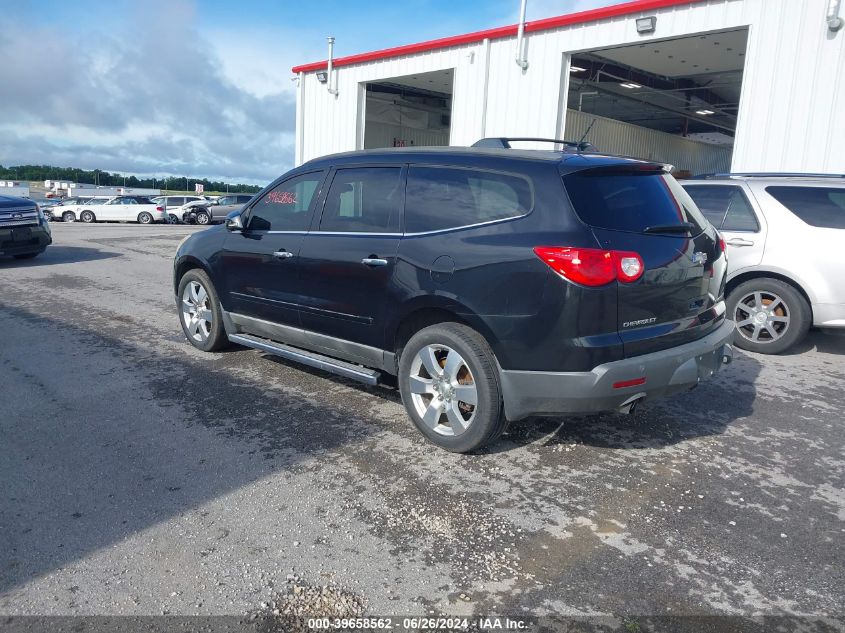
(592, 266)
(159, 208)
(722, 246)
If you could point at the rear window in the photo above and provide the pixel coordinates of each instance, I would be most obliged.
(817, 206)
(631, 201)
(440, 198)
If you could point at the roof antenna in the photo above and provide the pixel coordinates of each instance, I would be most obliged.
(581, 144)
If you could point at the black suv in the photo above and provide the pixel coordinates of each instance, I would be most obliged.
(24, 230)
(493, 284)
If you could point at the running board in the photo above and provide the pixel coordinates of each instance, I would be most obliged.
(312, 359)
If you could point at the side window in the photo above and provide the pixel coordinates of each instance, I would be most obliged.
(442, 198)
(363, 200)
(287, 206)
(725, 206)
(817, 206)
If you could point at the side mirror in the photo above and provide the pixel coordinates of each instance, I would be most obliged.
(234, 222)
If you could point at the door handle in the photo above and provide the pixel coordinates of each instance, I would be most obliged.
(282, 254)
(374, 262)
(738, 241)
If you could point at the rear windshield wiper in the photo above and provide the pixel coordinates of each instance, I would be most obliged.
(681, 227)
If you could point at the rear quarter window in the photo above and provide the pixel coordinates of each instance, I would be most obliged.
(725, 206)
(439, 198)
(817, 206)
(621, 199)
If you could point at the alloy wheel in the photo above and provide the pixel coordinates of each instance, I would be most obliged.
(762, 317)
(196, 311)
(443, 390)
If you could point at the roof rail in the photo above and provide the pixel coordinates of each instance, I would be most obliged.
(504, 142)
(765, 174)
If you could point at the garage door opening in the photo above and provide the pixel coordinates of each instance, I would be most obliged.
(674, 101)
(409, 111)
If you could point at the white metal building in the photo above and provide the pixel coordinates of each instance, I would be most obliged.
(706, 85)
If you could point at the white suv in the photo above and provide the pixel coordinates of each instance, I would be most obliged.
(785, 235)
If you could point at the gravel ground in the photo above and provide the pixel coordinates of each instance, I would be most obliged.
(140, 476)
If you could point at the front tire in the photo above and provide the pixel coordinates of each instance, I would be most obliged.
(27, 255)
(174, 219)
(68, 216)
(770, 315)
(145, 218)
(87, 217)
(200, 313)
(203, 218)
(450, 387)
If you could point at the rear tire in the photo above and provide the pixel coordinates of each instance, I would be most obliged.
(442, 370)
(203, 218)
(200, 313)
(27, 255)
(87, 217)
(770, 315)
(145, 218)
(68, 216)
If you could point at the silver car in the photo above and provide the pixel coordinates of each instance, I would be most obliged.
(785, 236)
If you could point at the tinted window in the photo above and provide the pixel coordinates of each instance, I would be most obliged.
(443, 198)
(817, 206)
(725, 206)
(286, 206)
(624, 200)
(363, 200)
(243, 199)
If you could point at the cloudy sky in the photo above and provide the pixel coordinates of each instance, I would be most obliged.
(193, 87)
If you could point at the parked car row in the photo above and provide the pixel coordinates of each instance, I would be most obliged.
(493, 285)
(109, 209)
(175, 209)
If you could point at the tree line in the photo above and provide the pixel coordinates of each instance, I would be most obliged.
(107, 179)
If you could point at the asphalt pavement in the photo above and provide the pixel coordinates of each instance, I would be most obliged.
(141, 476)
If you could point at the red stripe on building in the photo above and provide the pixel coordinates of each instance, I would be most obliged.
(591, 15)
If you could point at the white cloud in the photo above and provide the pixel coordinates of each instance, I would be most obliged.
(157, 99)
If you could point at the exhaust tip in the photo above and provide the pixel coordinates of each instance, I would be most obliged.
(631, 404)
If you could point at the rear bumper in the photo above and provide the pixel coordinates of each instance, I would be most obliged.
(666, 372)
(13, 243)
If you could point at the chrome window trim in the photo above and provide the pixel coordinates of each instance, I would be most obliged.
(468, 226)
